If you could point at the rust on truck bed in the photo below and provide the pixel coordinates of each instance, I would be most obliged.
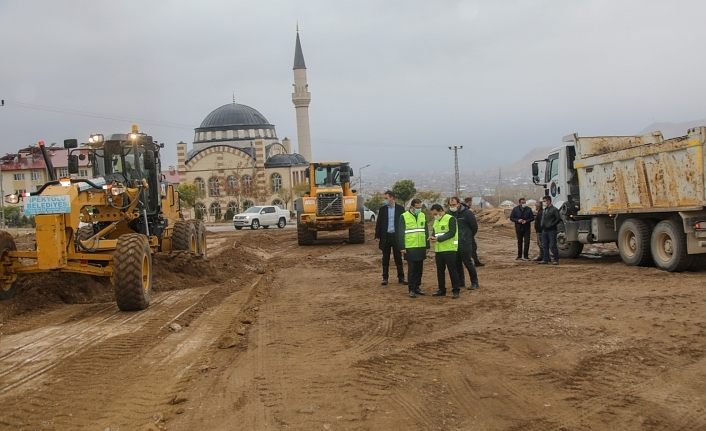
(627, 174)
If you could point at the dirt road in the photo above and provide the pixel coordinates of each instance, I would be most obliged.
(267, 335)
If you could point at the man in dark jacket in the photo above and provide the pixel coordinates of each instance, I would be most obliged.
(550, 220)
(386, 232)
(413, 237)
(522, 216)
(466, 224)
(538, 229)
(468, 203)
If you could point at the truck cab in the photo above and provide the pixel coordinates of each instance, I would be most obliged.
(556, 174)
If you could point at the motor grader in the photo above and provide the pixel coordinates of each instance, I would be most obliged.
(109, 225)
(330, 204)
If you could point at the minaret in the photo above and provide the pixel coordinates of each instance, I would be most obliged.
(301, 98)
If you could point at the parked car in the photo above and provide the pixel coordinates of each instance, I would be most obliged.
(368, 214)
(263, 215)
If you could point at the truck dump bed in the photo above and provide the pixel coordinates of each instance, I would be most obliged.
(632, 174)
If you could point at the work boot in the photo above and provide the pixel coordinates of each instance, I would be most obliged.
(475, 286)
(518, 258)
(456, 294)
(418, 291)
(402, 281)
(539, 259)
(479, 263)
(412, 294)
(384, 282)
(555, 262)
(439, 293)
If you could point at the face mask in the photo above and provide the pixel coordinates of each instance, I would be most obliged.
(417, 211)
(437, 217)
(524, 205)
(386, 202)
(453, 209)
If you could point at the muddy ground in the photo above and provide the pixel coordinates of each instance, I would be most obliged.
(266, 335)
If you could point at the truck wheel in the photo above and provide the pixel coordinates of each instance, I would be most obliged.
(356, 234)
(200, 229)
(8, 287)
(567, 249)
(668, 247)
(304, 235)
(282, 223)
(634, 242)
(255, 224)
(184, 236)
(132, 272)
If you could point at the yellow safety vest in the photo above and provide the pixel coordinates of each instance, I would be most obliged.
(414, 236)
(441, 227)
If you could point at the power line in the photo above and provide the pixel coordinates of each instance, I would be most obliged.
(102, 116)
(457, 181)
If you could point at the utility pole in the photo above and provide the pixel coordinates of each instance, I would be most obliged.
(457, 181)
(360, 178)
(2, 191)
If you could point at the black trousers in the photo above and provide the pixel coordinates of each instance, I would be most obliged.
(415, 269)
(388, 244)
(549, 244)
(475, 251)
(464, 258)
(523, 240)
(540, 246)
(447, 260)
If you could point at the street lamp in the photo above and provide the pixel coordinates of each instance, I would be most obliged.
(360, 177)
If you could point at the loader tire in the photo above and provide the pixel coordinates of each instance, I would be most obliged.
(356, 233)
(668, 245)
(200, 228)
(304, 235)
(184, 236)
(8, 287)
(132, 272)
(634, 242)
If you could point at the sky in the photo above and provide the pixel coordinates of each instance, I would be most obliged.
(393, 82)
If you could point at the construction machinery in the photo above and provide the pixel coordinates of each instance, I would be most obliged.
(330, 204)
(109, 225)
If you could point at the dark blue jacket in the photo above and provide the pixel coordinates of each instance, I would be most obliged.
(518, 213)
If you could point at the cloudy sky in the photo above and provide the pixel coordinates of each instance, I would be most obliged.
(393, 82)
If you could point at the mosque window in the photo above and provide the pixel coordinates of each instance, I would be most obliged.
(241, 134)
(200, 187)
(219, 134)
(251, 133)
(246, 181)
(268, 133)
(208, 135)
(229, 134)
(276, 182)
(232, 185)
(213, 187)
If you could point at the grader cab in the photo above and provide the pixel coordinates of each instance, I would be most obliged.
(109, 225)
(330, 204)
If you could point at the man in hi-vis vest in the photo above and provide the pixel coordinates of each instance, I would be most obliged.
(445, 239)
(414, 245)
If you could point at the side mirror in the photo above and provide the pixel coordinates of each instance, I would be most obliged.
(12, 199)
(149, 159)
(70, 143)
(535, 169)
(73, 164)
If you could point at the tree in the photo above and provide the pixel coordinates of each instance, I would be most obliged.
(198, 213)
(188, 193)
(12, 216)
(375, 201)
(229, 215)
(429, 197)
(404, 190)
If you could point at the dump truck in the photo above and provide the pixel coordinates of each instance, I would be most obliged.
(330, 204)
(109, 225)
(646, 193)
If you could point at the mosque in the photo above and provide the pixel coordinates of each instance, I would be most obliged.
(237, 159)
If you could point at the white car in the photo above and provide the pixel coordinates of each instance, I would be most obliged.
(262, 215)
(368, 215)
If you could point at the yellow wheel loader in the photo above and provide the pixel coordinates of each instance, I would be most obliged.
(109, 225)
(330, 204)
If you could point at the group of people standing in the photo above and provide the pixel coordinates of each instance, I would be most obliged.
(406, 234)
(546, 222)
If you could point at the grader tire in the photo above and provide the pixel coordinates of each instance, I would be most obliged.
(8, 288)
(200, 228)
(184, 236)
(132, 272)
(356, 234)
(84, 233)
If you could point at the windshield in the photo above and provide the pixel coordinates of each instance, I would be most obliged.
(253, 210)
(327, 176)
(117, 159)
